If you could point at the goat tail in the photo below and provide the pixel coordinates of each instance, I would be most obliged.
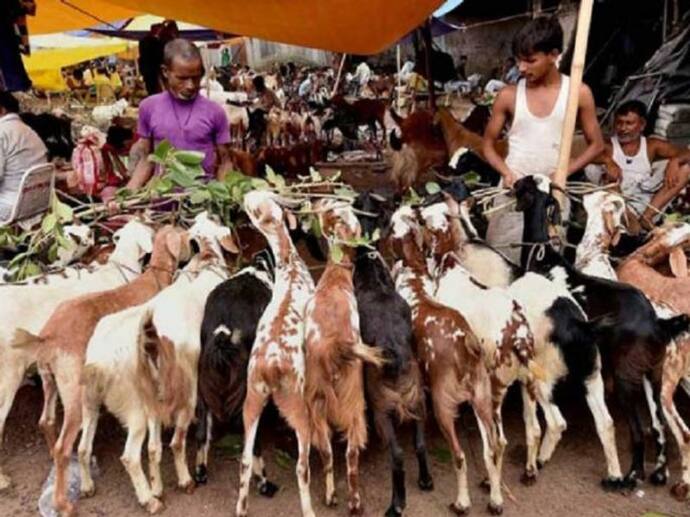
(369, 354)
(673, 327)
(26, 340)
(93, 381)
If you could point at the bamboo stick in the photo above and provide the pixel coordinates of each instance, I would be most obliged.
(337, 77)
(576, 70)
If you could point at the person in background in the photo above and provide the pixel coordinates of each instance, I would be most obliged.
(151, 58)
(188, 120)
(20, 149)
(265, 97)
(628, 159)
(535, 108)
(225, 57)
(75, 82)
(462, 68)
(115, 79)
(511, 75)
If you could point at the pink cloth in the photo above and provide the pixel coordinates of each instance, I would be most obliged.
(196, 125)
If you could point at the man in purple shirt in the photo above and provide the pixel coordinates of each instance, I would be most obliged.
(180, 115)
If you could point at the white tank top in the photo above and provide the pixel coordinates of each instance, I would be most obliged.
(639, 179)
(533, 142)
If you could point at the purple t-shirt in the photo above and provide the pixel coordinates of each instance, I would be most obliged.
(197, 125)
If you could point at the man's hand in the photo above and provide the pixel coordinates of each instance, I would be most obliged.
(613, 172)
(509, 179)
(672, 177)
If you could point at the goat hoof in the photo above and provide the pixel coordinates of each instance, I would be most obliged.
(495, 509)
(529, 477)
(154, 506)
(459, 510)
(65, 509)
(540, 464)
(5, 482)
(201, 475)
(187, 488)
(356, 510)
(426, 484)
(659, 477)
(394, 511)
(612, 484)
(485, 485)
(268, 489)
(680, 491)
(87, 492)
(332, 501)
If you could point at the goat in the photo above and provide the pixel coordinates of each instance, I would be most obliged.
(29, 307)
(228, 331)
(631, 337)
(563, 341)
(394, 393)
(670, 296)
(103, 115)
(334, 387)
(142, 363)
(62, 343)
(277, 363)
(452, 360)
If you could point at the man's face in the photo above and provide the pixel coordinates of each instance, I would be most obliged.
(535, 66)
(184, 78)
(629, 127)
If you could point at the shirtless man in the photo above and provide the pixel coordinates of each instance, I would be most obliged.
(628, 158)
(536, 108)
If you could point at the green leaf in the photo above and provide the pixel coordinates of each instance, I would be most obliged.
(314, 175)
(345, 192)
(259, 184)
(53, 252)
(30, 269)
(162, 149)
(412, 198)
(376, 235)
(432, 187)
(283, 459)
(200, 196)
(48, 223)
(64, 212)
(18, 259)
(189, 157)
(336, 253)
(316, 227)
(274, 179)
(471, 178)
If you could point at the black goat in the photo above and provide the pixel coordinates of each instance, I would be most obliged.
(632, 338)
(231, 315)
(394, 393)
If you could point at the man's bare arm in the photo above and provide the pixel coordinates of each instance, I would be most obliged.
(144, 168)
(499, 116)
(224, 158)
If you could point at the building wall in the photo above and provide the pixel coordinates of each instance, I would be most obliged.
(262, 54)
(487, 44)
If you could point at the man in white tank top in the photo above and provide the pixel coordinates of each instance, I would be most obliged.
(535, 108)
(629, 156)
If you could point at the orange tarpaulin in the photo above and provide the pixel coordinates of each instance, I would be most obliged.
(353, 26)
(58, 16)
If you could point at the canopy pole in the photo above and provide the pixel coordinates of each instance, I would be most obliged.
(584, 19)
(340, 73)
(426, 34)
(397, 96)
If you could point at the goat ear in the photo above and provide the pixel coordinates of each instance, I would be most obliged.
(228, 243)
(678, 262)
(291, 220)
(178, 245)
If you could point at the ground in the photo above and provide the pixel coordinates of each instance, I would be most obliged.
(568, 486)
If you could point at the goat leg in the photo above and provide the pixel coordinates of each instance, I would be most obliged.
(653, 394)
(425, 480)
(202, 435)
(178, 445)
(251, 414)
(9, 384)
(88, 432)
(532, 434)
(671, 377)
(398, 496)
(629, 396)
(266, 488)
(155, 449)
(131, 459)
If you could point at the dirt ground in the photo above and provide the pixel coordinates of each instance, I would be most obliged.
(568, 486)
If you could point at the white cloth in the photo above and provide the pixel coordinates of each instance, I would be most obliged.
(494, 85)
(534, 142)
(639, 179)
(362, 73)
(20, 149)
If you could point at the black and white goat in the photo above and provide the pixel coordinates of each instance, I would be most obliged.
(632, 338)
(231, 315)
(394, 392)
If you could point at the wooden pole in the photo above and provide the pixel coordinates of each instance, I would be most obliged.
(398, 59)
(426, 35)
(576, 70)
(340, 73)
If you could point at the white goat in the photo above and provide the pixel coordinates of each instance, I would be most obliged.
(103, 115)
(29, 307)
(142, 364)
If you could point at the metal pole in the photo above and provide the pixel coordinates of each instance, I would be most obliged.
(426, 34)
(340, 73)
(576, 70)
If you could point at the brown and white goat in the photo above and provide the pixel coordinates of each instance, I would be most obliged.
(670, 296)
(277, 364)
(334, 388)
(142, 364)
(61, 347)
(452, 360)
